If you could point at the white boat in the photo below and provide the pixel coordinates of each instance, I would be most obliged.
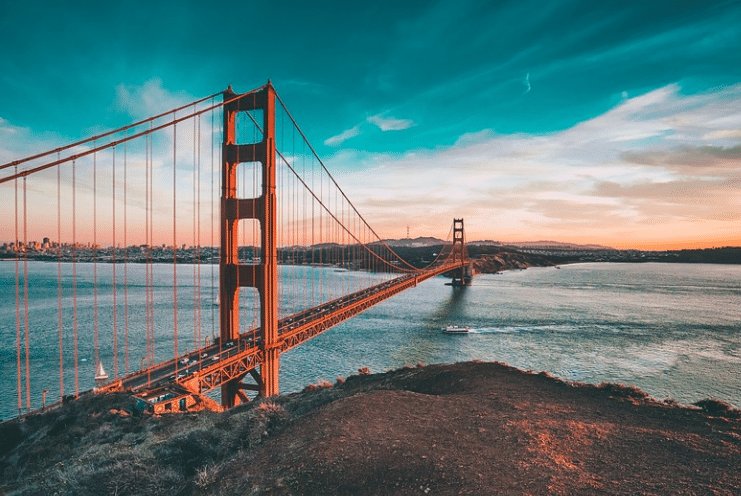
(101, 375)
(455, 329)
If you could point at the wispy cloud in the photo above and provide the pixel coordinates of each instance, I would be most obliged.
(343, 136)
(379, 120)
(390, 123)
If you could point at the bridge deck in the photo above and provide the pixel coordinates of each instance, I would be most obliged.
(207, 368)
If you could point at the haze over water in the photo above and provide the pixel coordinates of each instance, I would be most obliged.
(673, 330)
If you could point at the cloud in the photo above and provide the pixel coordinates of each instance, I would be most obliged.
(723, 134)
(7, 129)
(527, 83)
(378, 120)
(390, 123)
(691, 159)
(343, 136)
(17, 142)
(661, 165)
(149, 99)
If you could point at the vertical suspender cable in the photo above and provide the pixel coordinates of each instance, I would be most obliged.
(313, 204)
(150, 234)
(304, 224)
(74, 275)
(296, 226)
(198, 239)
(25, 293)
(213, 214)
(126, 266)
(320, 239)
(299, 224)
(17, 299)
(95, 256)
(281, 201)
(284, 217)
(113, 268)
(196, 343)
(59, 280)
(150, 283)
(174, 238)
(341, 243)
(148, 241)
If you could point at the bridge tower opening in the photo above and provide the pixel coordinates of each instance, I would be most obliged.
(262, 276)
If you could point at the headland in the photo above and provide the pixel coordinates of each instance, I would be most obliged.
(464, 428)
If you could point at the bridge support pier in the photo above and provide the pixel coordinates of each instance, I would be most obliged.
(233, 275)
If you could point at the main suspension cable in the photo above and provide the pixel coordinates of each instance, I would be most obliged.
(104, 135)
(111, 144)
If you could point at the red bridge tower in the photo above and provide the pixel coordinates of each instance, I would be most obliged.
(262, 276)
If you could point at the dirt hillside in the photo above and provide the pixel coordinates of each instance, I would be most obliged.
(466, 428)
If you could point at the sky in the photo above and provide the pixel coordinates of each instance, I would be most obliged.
(615, 123)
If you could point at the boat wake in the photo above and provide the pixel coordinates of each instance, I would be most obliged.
(493, 330)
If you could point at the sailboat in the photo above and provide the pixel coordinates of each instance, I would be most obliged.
(100, 377)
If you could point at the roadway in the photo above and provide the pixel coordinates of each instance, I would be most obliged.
(206, 360)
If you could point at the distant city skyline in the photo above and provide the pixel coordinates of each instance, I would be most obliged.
(572, 121)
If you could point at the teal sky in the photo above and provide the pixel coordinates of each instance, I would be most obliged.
(609, 122)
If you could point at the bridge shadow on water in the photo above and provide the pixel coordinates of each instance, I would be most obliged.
(451, 311)
(424, 340)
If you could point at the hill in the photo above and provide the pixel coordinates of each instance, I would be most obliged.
(557, 245)
(414, 243)
(466, 428)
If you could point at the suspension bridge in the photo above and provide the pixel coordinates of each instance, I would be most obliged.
(130, 219)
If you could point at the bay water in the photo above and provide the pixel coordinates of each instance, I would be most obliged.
(673, 330)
